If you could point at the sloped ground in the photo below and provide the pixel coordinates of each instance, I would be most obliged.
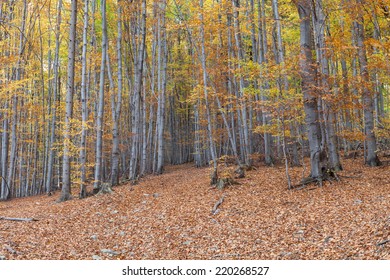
(169, 217)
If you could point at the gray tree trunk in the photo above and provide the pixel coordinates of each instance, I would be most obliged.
(242, 99)
(116, 106)
(66, 183)
(139, 54)
(262, 58)
(4, 153)
(50, 162)
(371, 156)
(205, 91)
(329, 115)
(308, 73)
(162, 75)
(84, 108)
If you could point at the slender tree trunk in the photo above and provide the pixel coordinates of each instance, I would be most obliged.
(242, 99)
(66, 183)
(162, 75)
(84, 108)
(262, 58)
(4, 153)
(205, 91)
(116, 106)
(100, 109)
(367, 96)
(138, 72)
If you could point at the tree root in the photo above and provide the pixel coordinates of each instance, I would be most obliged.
(106, 188)
(329, 176)
(224, 182)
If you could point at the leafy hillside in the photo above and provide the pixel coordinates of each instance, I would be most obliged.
(169, 217)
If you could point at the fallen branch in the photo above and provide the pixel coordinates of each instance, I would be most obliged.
(18, 219)
(9, 248)
(383, 242)
(215, 208)
(304, 183)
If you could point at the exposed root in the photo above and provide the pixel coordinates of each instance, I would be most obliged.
(224, 182)
(329, 176)
(240, 172)
(106, 188)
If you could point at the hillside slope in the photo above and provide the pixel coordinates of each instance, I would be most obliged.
(169, 217)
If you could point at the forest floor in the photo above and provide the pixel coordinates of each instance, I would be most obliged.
(169, 217)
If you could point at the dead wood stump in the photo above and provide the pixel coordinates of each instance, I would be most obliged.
(106, 188)
(240, 172)
(214, 177)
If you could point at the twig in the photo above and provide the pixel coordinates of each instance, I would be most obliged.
(215, 208)
(12, 251)
(383, 242)
(18, 219)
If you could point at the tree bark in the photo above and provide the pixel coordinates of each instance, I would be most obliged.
(206, 93)
(139, 55)
(367, 95)
(308, 73)
(84, 108)
(50, 162)
(116, 106)
(100, 110)
(329, 115)
(66, 183)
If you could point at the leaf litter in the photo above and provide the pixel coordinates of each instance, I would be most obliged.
(170, 217)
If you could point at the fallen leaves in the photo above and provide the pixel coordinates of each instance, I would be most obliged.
(169, 217)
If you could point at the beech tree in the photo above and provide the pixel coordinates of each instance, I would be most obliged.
(145, 84)
(66, 176)
(318, 160)
(371, 157)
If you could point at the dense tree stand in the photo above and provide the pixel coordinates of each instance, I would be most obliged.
(139, 85)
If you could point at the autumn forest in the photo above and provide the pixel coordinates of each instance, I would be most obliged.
(96, 94)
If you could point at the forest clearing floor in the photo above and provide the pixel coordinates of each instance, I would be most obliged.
(169, 217)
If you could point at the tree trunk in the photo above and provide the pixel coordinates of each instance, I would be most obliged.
(329, 115)
(205, 91)
(367, 96)
(50, 163)
(84, 108)
(100, 110)
(262, 57)
(308, 74)
(66, 184)
(139, 54)
(242, 99)
(116, 106)
(162, 76)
